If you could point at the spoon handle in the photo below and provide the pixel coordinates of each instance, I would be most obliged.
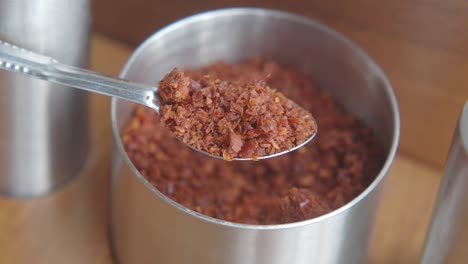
(22, 61)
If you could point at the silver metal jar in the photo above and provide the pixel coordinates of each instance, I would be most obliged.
(43, 126)
(147, 227)
(447, 236)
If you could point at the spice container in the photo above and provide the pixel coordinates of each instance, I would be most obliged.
(447, 235)
(43, 126)
(148, 227)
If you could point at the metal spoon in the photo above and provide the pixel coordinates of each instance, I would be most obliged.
(26, 62)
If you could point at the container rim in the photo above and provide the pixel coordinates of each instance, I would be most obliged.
(286, 16)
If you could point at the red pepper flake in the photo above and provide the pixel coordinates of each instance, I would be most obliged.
(277, 124)
(318, 178)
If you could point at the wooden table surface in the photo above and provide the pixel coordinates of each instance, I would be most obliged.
(70, 224)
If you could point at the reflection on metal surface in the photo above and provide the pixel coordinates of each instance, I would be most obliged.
(43, 127)
(447, 237)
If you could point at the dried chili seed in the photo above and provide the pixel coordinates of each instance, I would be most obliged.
(337, 166)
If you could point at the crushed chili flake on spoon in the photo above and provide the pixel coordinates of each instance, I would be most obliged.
(232, 119)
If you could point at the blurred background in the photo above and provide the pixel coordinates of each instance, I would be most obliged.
(421, 44)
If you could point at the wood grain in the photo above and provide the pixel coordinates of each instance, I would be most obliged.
(421, 44)
(71, 224)
(405, 211)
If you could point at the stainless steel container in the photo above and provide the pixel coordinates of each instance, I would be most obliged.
(147, 227)
(43, 127)
(447, 238)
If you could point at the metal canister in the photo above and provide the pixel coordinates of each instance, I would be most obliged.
(447, 238)
(43, 127)
(148, 227)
